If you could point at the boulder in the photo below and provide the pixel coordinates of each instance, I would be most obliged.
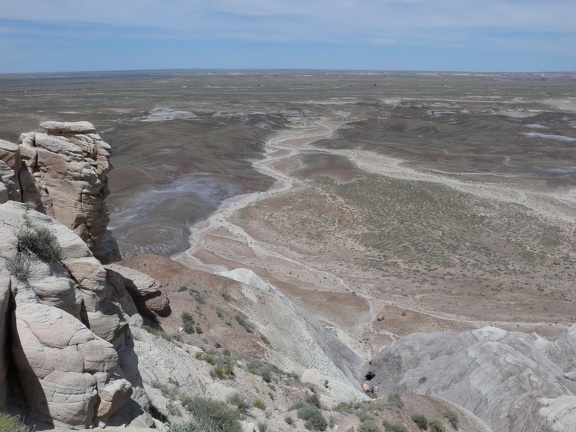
(64, 368)
(145, 291)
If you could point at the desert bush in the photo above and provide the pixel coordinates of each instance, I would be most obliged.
(313, 399)
(395, 400)
(262, 427)
(259, 403)
(40, 241)
(289, 420)
(369, 426)
(19, 265)
(312, 416)
(436, 425)
(452, 417)
(420, 420)
(210, 416)
(394, 427)
(9, 423)
(239, 401)
(182, 288)
(187, 322)
(240, 319)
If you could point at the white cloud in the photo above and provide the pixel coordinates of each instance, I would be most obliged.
(411, 21)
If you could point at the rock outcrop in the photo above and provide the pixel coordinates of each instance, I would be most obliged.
(63, 173)
(513, 381)
(70, 340)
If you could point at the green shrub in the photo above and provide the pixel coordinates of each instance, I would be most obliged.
(182, 288)
(239, 401)
(312, 416)
(188, 322)
(40, 241)
(198, 329)
(9, 423)
(313, 399)
(262, 427)
(210, 416)
(259, 403)
(244, 323)
(289, 420)
(452, 417)
(436, 425)
(420, 420)
(394, 427)
(395, 400)
(369, 426)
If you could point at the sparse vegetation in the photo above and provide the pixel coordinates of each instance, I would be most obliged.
(209, 416)
(240, 319)
(187, 322)
(19, 265)
(420, 420)
(369, 425)
(10, 423)
(395, 400)
(38, 241)
(259, 403)
(394, 427)
(312, 416)
(436, 425)
(452, 417)
(239, 402)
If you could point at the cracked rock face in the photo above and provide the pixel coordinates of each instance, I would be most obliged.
(63, 171)
(69, 335)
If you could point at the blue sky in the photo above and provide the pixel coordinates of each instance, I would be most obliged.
(448, 35)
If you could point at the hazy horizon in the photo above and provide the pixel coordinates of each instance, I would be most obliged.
(387, 35)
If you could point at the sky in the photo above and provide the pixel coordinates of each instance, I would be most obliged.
(418, 35)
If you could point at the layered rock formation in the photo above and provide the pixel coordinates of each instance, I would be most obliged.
(64, 320)
(70, 339)
(513, 381)
(63, 173)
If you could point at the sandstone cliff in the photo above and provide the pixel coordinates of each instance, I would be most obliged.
(63, 173)
(65, 325)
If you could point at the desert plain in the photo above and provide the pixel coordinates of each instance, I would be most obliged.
(383, 203)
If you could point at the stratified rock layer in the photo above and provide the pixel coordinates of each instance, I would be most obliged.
(509, 380)
(63, 172)
(70, 340)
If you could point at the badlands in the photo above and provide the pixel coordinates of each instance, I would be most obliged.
(388, 245)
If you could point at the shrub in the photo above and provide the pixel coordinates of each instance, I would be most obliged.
(182, 288)
(395, 400)
(312, 416)
(40, 241)
(420, 420)
(436, 425)
(210, 416)
(262, 427)
(9, 423)
(452, 417)
(188, 322)
(244, 323)
(289, 420)
(239, 401)
(394, 427)
(314, 400)
(19, 265)
(369, 426)
(198, 329)
(259, 403)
